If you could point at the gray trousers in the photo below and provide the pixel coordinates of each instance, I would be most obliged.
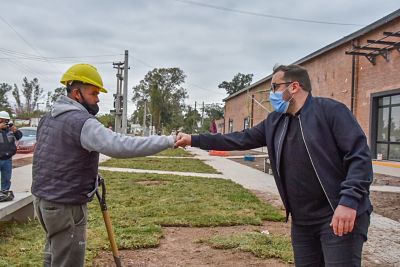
(317, 245)
(65, 227)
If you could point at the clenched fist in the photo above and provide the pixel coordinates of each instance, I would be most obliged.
(183, 140)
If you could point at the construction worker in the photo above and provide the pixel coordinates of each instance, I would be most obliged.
(8, 135)
(65, 163)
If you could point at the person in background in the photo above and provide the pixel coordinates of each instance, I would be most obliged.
(321, 164)
(65, 163)
(8, 135)
(213, 127)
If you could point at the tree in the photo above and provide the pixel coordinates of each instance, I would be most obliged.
(4, 89)
(214, 111)
(31, 91)
(164, 97)
(192, 116)
(107, 120)
(238, 82)
(52, 97)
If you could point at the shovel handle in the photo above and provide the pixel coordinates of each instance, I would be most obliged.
(111, 237)
(107, 221)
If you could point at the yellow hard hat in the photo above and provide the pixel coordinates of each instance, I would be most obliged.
(85, 73)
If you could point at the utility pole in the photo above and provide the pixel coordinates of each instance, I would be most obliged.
(202, 115)
(117, 97)
(144, 117)
(194, 116)
(125, 94)
(121, 96)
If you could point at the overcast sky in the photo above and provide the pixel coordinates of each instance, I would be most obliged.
(209, 40)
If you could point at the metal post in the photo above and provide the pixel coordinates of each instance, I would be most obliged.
(202, 115)
(125, 95)
(117, 97)
(144, 117)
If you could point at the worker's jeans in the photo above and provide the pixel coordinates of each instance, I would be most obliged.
(317, 245)
(6, 170)
(65, 227)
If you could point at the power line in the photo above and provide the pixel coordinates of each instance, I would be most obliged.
(197, 86)
(60, 60)
(209, 90)
(251, 13)
(22, 38)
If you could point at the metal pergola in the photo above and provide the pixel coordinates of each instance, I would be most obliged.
(380, 47)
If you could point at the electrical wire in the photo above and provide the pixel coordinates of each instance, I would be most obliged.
(59, 60)
(265, 15)
(194, 85)
(23, 39)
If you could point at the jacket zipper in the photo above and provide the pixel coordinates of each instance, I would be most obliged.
(279, 142)
(312, 163)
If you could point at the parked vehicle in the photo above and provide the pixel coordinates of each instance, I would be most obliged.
(28, 141)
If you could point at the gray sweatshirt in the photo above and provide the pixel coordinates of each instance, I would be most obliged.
(96, 137)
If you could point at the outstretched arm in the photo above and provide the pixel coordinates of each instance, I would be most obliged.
(246, 139)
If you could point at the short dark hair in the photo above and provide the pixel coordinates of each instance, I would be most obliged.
(74, 85)
(295, 73)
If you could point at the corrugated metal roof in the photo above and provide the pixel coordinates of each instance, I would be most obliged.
(331, 46)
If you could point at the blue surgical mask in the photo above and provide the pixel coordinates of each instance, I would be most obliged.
(278, 103)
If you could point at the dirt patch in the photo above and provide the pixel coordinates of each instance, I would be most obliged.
(151, 182)
(383, 179)
(246, 152)
(257, 164)
(386, 204)
(180, 247)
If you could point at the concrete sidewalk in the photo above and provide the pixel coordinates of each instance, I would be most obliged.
(21, 179)
(392, 170)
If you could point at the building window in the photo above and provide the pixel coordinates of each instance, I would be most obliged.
(246, 123)
(230, 126)
(388, 128)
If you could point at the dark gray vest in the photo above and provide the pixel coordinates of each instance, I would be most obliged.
(63, 171)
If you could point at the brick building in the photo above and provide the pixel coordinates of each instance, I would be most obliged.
(362, 70)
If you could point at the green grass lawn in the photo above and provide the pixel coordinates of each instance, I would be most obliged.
(261, 245)
(139, 205)
(163, 164)
(178, 152)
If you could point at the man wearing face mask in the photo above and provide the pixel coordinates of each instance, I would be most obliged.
(321, 164)
(65, 163)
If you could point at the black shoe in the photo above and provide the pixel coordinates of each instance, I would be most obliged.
(6, 195)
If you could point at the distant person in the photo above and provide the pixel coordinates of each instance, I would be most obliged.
(66, 159)
(321, 164)
(213, 127)
(9, 134)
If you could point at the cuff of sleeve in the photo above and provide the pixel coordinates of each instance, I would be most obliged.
(171, 141)
(349, 202)
(195, 141)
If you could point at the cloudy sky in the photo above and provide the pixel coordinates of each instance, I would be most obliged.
(210, 40)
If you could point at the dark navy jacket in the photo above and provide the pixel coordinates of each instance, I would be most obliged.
(335, 143)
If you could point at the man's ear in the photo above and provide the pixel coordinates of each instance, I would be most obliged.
(76, 94)
(295, 87)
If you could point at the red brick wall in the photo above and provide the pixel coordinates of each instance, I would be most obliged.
(240, 107)
(331, 76)
(384, 76)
